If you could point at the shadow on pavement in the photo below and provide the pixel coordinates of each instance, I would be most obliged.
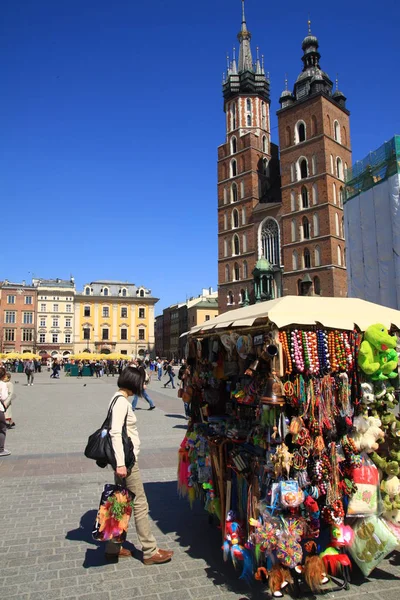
(177, 416)
(198, 534)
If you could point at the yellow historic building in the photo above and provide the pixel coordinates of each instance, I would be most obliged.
(114, 316)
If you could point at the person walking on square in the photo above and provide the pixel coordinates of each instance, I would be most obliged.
(170, 372)
(130, 383)
(145, 395)
(159, 369)
(80, 369)
(3, 408)
(30, 371)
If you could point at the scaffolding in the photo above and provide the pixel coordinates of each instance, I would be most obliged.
(374, 168)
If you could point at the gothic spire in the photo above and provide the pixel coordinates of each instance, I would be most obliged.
(244, 37)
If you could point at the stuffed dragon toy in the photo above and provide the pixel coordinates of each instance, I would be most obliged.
(377, 356)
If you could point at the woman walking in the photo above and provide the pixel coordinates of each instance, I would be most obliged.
(130, 383)
(3, 408)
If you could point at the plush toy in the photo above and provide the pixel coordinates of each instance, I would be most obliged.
(367, 434)
(377, 355)
(390, 467)
(278, 578)
(367, 392)
(390, 489)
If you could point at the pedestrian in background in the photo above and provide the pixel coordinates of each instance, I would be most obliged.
(159, 369)
(171, 374)
(3, 408)
(145, 395)
(30, 371)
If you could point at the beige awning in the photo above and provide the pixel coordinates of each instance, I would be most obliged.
(334, 313)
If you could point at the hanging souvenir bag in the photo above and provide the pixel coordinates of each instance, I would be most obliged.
(366, 499)
(372, 542)
(99, 446)
(116, 505)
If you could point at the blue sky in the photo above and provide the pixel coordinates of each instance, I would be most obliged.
(111, 114)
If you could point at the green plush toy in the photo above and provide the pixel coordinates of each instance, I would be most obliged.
(377, 356)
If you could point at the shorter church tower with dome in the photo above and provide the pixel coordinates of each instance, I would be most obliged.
(280, 210)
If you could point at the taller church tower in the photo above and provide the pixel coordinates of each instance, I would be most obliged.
(315, 151)
(244, 165)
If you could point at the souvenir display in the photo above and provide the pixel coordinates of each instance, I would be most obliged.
(294, 447)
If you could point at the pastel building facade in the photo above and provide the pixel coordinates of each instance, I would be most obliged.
(114, 316)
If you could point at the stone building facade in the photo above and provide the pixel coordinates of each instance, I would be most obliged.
(17, 317)
(280, 218)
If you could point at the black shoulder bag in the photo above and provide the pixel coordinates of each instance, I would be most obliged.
(100, 448)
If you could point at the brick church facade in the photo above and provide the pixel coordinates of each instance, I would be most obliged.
(280, 210)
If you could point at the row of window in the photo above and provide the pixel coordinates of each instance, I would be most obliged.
(10, 316)
(300, 169)
(230, 298)
(236, 247)
(304, 197)
(106, 312)
(67, 298)
(56, 308)
(55, 321)
(234, 144)
(303, 260)
(9, 335)
(234, 219)
(105, 291)
(11, 299)
(305, 229)
(238, 272)
(301, 135)
(105, 333)
(234, 122)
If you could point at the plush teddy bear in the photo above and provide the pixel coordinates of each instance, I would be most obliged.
(377, 355)
(367, 433)
(390, 489)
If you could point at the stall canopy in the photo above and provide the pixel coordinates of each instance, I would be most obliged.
(334, 313)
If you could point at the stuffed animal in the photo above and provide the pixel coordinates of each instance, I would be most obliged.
(390, 489)
(367, 434)
(377, 356)
(278, 578)
(367, 392)
(390, 467)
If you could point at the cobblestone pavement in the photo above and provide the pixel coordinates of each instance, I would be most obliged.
(49, 494)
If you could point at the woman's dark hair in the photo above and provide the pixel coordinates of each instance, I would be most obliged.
(3, 373)
(131, 379)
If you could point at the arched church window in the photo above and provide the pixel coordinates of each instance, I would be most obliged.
(235, 219)
(236, 271)
(339, 168)
(265, 165)
(248, 105)
(315, 225)
(270, 241)
(264, 144)
(233, 145)
(234, 193)
(235, 245)
(336, 131)
(306, 228)
(315, 193)
(248, 120)
(293, 200)
(227, 274)
(294, 230)
(245, 271)
(263, 116)
(304, 197)
(307, 258)
(339, 256)
(303, 166)
(244, 215)
(295, 262)
(300, 132)
(230, 298)
(233, 168)
(337, 224)
(317, 256)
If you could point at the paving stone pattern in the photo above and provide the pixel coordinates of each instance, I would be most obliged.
(49, 495)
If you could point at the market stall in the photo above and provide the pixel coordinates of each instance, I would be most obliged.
(293, 444)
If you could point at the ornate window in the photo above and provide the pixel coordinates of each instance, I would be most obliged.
(106, 291)
(264, 144)
(230, 298)
(234, 192)
(270, 241)
(303, 168)
(336, 131)
(233, 168)
(233, 145)
(307, 258)
(235, 245)
(306, 228)
(235, 219)
(248, 120)
(300, 132)
(236, 272)
(248, 105)
(87, 291)
(304, 197)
